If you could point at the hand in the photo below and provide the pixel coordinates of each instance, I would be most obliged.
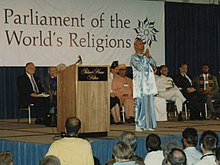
(33, 94)
(190, 89)
(147, 53)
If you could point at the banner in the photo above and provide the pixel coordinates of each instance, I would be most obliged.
(50, 32)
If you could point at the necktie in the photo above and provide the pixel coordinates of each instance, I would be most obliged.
(35, 88)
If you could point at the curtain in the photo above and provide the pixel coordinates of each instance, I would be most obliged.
(192, 36)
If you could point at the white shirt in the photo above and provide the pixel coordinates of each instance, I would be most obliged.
(164, 82)
(207, 160)
(192, 155)
(154, 158)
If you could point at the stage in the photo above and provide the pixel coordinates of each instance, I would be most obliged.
(29, 142)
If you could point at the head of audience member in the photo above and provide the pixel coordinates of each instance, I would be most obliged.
(6, 158)
(205, 68)
(217, 154)
(176, 157)
(122, 152)
(122, 70)
(209, 132)
(50, 160)
(52, 71)
(153, 142)
(208, 143)
(190, 137)
(72, 125)
(114, 67)
(183, 68)
(138, 46)
(169, 145)
(30, 68)
(130, 138)
(164, 70)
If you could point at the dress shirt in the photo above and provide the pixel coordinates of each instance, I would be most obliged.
(154, 158)
(192, 155)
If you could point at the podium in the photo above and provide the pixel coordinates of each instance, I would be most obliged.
(83, 91)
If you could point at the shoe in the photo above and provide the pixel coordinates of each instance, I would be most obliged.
(138, 129)
(150, 129)
(38, 121)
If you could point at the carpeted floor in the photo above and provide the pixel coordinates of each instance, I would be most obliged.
(11, 130)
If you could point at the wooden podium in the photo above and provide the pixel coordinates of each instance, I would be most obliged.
(83, 91)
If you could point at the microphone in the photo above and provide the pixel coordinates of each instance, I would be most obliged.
(79, 60)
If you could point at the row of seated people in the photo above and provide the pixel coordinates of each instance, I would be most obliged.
(74, 150)
(181, 89)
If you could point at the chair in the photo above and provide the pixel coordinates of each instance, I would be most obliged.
(28, 108)
(171, 107)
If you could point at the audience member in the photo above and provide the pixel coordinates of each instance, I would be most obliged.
(168, 146)
(122, 153)
(168, 90)
(207, 145)
(190, 139)
(207, 86)
(50, 160)
(160, 105)
(131, 139)
(155, 154)
(183, 81)
(122, 88)
(6, 158)
(176, 157)
(114, 100)
(72, 149)
(217, 154)
(29, 86)
(144, 87)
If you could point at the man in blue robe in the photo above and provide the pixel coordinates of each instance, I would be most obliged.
(144, 87)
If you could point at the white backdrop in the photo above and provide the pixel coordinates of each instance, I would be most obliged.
(49, 32)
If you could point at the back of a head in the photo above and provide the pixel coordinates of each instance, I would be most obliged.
(72, 125)
(169, 145)
(130, 138)
(122, 150)
(153, 142)
(6, 158)
(176, 157)
(209, 132)
(208, 142)
(190, 135)
(50, 160)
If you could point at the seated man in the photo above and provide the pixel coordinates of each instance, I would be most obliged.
(6, 158)
(168, 90)
(114, 100)
(189, 140)
(122, 87)
(207, 87)
(29, 86)
(71, 149)
(183, 81)
(176, 157)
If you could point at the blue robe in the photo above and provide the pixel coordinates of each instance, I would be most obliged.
(144, 89)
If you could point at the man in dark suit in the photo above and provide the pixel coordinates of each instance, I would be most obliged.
(183, 81)
(29, 88)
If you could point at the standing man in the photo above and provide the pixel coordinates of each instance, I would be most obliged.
(144, 87)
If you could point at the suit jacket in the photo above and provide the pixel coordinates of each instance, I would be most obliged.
(182, 82)
(25, 89)
(214, 86)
